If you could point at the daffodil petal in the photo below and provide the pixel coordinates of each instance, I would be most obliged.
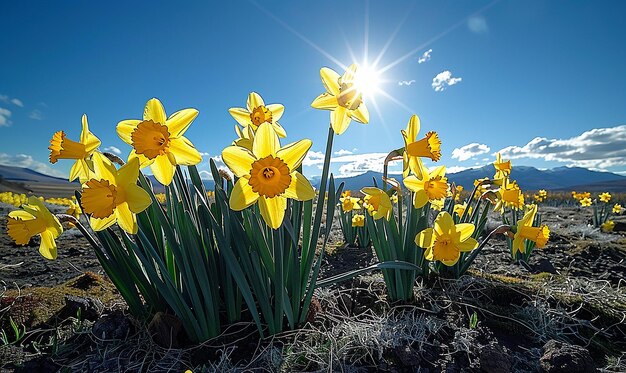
(330, 79)
(348, 75)
(238, 159)
(280, 131)
(128, 173)
(443, 224)
(137, 198)
(143, 160)
(425, 238)
(265, 141)
(163, 169)
(48, 247)
(413, 128)
(242, 195)
(413, 183)
(294, 153)
(126, 128)
(87, 138)
(21, 214)
(178, 122)
(325, 101)
(438, 171)
(467, 245)
(241, 115)
(100, 224)
(273, 210)
(465, 230)
(277, 111)
(77, 170)
(300, 188)
(125, 218)
(184, 152)
(339, 120)
(361, 114)
(154, 111)
(103, 168)
(254, 101)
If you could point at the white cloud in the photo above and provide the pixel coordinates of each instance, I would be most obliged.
(17, 102)
(343, 152)
(5, 114)
(599, 149)
(8, 100)
(205, 172)
(469, 151)
(455, 169)
(444, 79)
(353, 164)
(27, 161)
(477, 24)
(36, 115)
(406, 82)
(425, 56)
(113, 149)
(313, 158)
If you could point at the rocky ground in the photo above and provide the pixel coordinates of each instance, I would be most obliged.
(566, 313)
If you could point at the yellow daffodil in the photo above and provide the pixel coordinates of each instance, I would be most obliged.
(446, 240)
(35, 219)
(73, 210)
(346, 193)
(542, 193)
(341, 97)
(457, 194)
(585, 202)
(113, 195)
(257, 112)
(608, 226)
(414, 149)
(267, 174)
(503, 168)
(158, 141)
(433, 186)
(349, 203)
(245, 136)
(605, 197)
(358, 220)
(63, 148)
(509, 195)
(394, 198)
(524, 230)
(617, 209)
(459, 209)
(377, 203)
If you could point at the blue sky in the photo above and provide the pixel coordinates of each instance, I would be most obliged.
(544, 81)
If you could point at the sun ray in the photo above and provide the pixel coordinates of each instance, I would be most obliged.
(393, 36)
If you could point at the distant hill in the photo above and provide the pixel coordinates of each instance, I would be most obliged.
(529, 178)
(27, 181)
(21, 174)
(159, 188)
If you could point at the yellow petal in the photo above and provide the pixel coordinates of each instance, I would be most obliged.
(294, 153)
(163, 169)
(413, 183)
(300, 188)
(349, 74)
(241, 115)
(137, 198)
(424, 238)
(361, 114)
(238, 159)
(273, 210)
(125, 218)
(77, 171)
(265, 141)
(184, 152)
(280, 131)
(178, 122)
(438, 171)
(443, 223)
(87, 138)
(465, 230)
(21, 214)
(254, 101)
(143, 160)
(154, 111)
(339, 120)
(325, 101)
(330, 79)
(101, 224)
(126, 128)
(128, 173)
(467, 245)
(371, 191)
(420, 199)
(103, 168)
(277, 111)
(48, 247)
(413, 128)
(242, 195)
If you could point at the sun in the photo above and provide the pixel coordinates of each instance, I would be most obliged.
(367, 80)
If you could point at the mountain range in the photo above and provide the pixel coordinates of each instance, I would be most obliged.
(25, 180)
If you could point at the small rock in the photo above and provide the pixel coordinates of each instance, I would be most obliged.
(564, 357)
(494, 359)
(115, 325)
(544, 265)
(90, 308)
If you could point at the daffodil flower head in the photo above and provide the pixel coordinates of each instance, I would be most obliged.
(608, 226)
(377, 203)
(414, 149)
(617, 209)
(585, 201)
(268, 175)
(158, 140)
(605, 197)
(503, 168)
(343, 98)
(256, 113)
(446, 240)
(35, 219)
(524, 230)
(113, 195)
(358, 220)
(432, 186)
(509, 195)
(459, 208)
(63, 148)
(349, 203)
